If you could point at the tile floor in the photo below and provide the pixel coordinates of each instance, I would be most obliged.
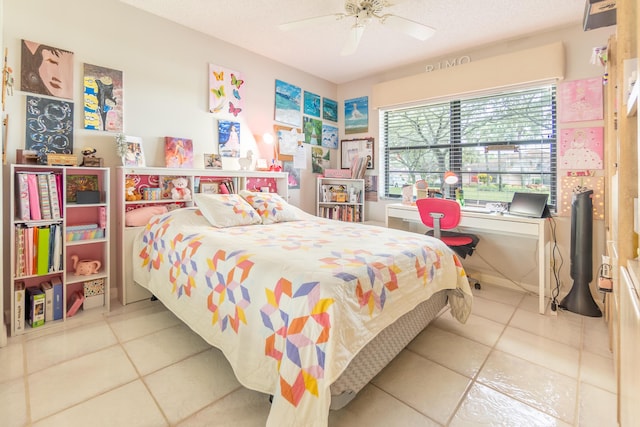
(140, 366)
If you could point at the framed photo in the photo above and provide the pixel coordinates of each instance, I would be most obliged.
(212, 161)
(356, 148)
(134, 155)
(178, 152)
(209, 187)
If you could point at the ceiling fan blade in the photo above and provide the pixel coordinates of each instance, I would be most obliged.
(294, 25)
(353, 40)
(409, 27)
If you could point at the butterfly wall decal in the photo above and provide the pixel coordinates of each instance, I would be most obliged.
(219, 76)
(234, 110)
(235, 81)
(236, 94)
(219, 93)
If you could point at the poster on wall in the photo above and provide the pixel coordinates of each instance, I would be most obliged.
(320, 159)
(102, 98)
(578, 179)
(580, 100)
(311, 104)
(329, 136)
(287, 100)
(329, 109)
(49, 127)
(356, 115)
(581, 148)
(46, 70)
(178, 152)
(229, 138)
(225, 91)
(312, 131)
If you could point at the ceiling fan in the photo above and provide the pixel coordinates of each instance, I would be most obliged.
(364, 11)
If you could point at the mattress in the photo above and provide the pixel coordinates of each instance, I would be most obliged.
(383, 349)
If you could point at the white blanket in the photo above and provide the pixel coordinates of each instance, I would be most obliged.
(291, 303)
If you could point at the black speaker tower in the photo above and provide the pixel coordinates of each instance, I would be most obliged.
(579, 299)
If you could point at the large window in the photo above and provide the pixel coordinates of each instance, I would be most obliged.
(496, 145)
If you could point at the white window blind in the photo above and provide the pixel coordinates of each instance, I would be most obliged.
(496, 144)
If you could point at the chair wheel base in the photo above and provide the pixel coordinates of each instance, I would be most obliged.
(477, 286)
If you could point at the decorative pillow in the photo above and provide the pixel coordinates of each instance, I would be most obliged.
(271, 207)
(141, 216)
(226, 210)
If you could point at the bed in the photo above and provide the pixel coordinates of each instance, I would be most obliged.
(296, 303)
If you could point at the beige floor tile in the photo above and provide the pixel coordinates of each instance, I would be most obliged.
(160, 349)
(191, 384)
(543, 351)
(493, 310)
(424, 385)
(11, 361)
(566, 330)
(130, 405)
(487, 407)
(477, 328)
(67, 344)
(13, 403)
(541, 388)
(500, 294)
(241, 408)
(597, 407)
(450, 350)
(71, 382)
(138, 323)
(598, 371)
(375, 408)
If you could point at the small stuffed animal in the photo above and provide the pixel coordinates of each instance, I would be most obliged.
(180, 190)
(131, 194)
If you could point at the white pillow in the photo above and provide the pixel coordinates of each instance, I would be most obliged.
(226, 210)
(271, 207)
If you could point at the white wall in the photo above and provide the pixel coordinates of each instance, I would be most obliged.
(508, 262)
(165, 69)
(165, 84)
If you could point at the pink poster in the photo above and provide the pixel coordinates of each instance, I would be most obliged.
(580, 100)
(581, 148)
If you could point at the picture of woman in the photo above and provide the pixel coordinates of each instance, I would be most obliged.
(46, 70)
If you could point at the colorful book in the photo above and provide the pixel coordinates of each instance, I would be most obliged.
(34, 199)
(42, 250)
(22, 197)
(19, 306)
(47, 288)
(53, 196)
(56, 283)
(36, 300)
(43, 194)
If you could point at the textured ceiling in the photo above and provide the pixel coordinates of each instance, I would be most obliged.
(460, 25)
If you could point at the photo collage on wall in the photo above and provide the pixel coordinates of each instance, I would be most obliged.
(306, 118)
(47, 73)
(580, 144)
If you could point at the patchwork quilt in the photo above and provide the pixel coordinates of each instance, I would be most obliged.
(291, 303)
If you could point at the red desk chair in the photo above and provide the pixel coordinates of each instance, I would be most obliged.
(444, 214)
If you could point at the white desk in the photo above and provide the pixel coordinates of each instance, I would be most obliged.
(399, 215)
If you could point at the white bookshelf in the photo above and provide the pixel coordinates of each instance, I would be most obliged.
(128, 291)
(341, 199)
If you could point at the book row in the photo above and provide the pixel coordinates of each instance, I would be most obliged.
(38, 249)
(343, 213)
(35, 305)
(38, 195)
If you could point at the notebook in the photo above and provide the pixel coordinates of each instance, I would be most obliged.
(532, 205)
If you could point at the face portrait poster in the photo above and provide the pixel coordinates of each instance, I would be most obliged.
(46, 70)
